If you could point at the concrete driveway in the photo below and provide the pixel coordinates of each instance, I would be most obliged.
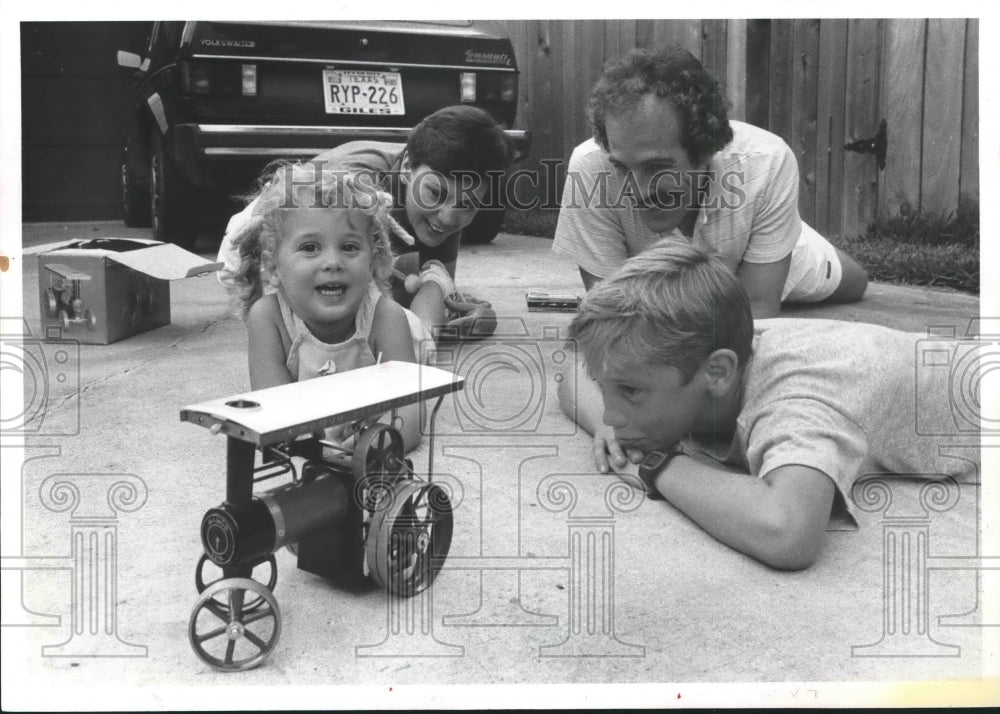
(555, 575)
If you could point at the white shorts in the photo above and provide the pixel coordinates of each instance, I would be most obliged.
(815, 271)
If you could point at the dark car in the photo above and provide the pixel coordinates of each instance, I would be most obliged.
(215, 102)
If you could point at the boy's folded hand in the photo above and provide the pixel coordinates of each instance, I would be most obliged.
(608, 453)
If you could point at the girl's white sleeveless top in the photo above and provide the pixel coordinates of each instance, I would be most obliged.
(310, 357)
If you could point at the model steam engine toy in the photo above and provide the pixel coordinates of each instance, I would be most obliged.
(64, 299)
(348, 514)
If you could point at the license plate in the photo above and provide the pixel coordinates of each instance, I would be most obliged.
(350, 91)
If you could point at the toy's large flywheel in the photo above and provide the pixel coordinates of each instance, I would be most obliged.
(409, 536)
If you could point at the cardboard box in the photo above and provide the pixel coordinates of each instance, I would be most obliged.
(104, 290)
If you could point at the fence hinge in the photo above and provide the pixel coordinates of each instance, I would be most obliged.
(877, 145)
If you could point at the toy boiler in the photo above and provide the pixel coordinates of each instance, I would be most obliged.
(349, 514)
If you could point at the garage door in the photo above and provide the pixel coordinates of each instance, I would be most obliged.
(72, 97)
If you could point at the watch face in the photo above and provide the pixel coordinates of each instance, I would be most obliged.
(654, 460)
(650, 468)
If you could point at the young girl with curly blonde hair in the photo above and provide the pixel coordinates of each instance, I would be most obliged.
(320, 239)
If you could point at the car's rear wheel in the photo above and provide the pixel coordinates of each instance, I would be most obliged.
(135, 199)
(484, 227)
(170, 199)
(489, 220)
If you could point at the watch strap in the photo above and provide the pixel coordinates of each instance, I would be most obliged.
(651, 467)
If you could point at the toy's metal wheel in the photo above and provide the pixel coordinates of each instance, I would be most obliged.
(379, 453)
(203, 580)
(64, 319)
(409, 537)
(53, 301)
(89, 318)
(234, 639)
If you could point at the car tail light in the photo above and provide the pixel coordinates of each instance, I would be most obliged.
(219, 78)
(508, 88)
(468, 86)
(198, 80)
(495, 87)
(250, 80)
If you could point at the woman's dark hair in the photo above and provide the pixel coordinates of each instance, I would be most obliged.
(672, 73)
(460, 138)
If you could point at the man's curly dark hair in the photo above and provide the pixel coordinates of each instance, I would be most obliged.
(673, 73)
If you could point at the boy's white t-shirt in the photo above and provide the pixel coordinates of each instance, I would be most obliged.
(853, 399)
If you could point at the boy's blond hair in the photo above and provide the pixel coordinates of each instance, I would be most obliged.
(308, 185)
(673, 304)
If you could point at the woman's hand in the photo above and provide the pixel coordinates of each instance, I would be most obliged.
(477, 318)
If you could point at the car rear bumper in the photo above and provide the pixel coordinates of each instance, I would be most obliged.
(219, 142)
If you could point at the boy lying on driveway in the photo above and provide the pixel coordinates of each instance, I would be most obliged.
(807, 407)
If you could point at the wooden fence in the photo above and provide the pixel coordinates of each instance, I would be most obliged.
(819, 84)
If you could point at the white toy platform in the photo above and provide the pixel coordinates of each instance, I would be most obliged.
(277, 414)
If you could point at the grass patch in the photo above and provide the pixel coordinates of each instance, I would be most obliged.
(936, 251)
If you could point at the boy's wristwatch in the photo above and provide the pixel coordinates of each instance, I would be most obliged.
(652, 465)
